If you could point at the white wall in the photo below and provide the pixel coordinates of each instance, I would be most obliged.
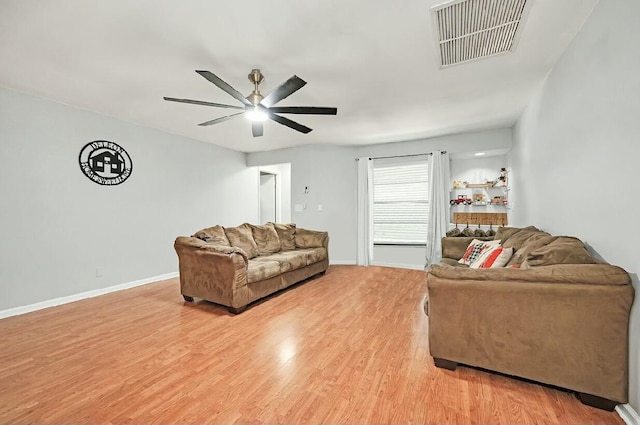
(576, 148)
(330, 174)
(57, 226)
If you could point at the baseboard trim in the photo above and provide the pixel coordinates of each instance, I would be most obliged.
(83, 295)
(628, 415)
(400, 266)
(341, 263)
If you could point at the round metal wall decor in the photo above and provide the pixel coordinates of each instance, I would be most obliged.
(105, 163)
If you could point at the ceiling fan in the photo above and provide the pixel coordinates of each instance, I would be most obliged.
(258, 108)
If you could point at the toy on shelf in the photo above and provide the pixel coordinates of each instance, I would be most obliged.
(457, 184)
(462, 199)
(478, 199)
(498, 200)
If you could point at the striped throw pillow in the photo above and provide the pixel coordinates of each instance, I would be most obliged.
(492, 258)
(475, 249)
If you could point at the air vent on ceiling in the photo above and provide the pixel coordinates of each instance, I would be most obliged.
(474, 29)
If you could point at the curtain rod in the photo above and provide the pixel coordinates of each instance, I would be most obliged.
(401, 156)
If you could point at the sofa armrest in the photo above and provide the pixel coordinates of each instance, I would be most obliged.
(587, 274)
(212, 272)
(195, 243)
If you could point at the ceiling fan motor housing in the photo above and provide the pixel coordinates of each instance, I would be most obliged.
(256, 77)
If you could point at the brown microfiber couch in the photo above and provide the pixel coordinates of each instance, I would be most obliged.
(562, 318)
(235, 266)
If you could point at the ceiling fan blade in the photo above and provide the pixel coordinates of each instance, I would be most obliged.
(304, 110)
(289, 123)
(224, 86)
(290, 86)
(256, 128)
(221, 119)
(200, 102)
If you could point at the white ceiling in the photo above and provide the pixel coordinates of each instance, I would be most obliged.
(376, 61)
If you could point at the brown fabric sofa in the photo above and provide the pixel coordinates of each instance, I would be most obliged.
(562, 318)
(235, 266)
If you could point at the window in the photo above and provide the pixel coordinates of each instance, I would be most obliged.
(400, 201)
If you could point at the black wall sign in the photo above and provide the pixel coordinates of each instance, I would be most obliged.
(105, 163)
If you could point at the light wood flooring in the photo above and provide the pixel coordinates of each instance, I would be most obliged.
(348, 347)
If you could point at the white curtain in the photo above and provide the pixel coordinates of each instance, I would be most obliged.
(438, 205)
(365, 212)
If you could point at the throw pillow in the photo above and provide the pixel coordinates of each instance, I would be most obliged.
(266, 239)
(493, 258)
(242, 237)
(286, 234)
(214, 235)
(475, 248)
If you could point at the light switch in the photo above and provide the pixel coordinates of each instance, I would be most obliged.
(298, 207)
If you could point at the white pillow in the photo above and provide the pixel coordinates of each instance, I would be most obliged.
(475, 248)
(492, 258)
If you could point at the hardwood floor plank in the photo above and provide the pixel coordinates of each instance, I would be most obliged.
(348, 347)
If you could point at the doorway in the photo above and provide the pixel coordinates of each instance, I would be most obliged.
(268, 197)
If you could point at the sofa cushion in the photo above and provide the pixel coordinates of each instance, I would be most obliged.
(286, 235)
(452, 262)
(520, 238)
(506, 233)
(242, 237)
(475, 249)
(214, 235)
(266, 238)
(288, 260)
(313, 255)
(563, 250)
(309, 238)
(534, 242)
(261, 270)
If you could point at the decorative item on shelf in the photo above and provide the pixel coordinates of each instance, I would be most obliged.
(498, 200)
(457, 184)
(461, 199)
(479, 185)
(478, 199)
(502, 180)
(482, 218)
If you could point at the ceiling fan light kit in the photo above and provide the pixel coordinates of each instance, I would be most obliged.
(258, 108)
(256, 114)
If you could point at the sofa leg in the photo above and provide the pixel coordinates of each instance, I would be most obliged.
(445, 364)
(187, 298)
(595, 401)
(234, 310)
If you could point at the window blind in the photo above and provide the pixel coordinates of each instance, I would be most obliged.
(400, 201)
